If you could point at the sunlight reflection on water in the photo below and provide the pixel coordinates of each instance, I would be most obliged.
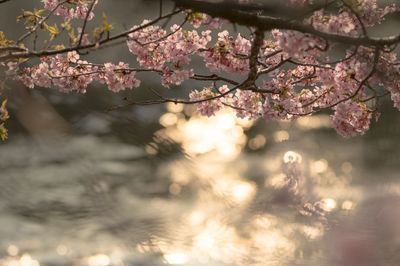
(221, 227)
(218, 205)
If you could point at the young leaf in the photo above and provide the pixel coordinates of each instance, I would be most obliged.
(53, 30)
(3, 111)
(3, 132)
(107, 27)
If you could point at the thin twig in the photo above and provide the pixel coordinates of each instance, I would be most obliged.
(85, 22)
(40, 23)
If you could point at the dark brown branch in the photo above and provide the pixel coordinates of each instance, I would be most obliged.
(85, 22)
(343, 59)
(214, 77)
(124, 34)
(169, 100)
(255, 50)
(12, 48)
(360, 22)
(308, 64)
(274, 67)
(227, 10)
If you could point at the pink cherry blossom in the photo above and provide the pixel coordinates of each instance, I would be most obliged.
(228, 55)
(79, 9)
(248, 104)
(351, 119)
(209, 107)
(175, 77)
(119, 77)
(294, 71)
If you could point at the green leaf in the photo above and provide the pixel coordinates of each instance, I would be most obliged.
(53, 30)
(3, 111)
(3, 132)
(107, 27)
(4, 42)
(58, 46)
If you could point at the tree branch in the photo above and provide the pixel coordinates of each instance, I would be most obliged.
(229, 11)
(30, 54)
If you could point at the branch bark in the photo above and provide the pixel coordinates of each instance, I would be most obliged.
(230, 11)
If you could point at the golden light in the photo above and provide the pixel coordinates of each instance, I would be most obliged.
(245, 123)
(238, 191)
(220, 134)
(292, 157)
(206, 239)
(196, 217)
(272, 164)
(328, 204)
(346, 167)
(211, 232)
(26, 260)
(12, 250)
(320, 166)
(176, 257)
(273, 241)
(265, 221)
(175, 107)
(313, 122)
(312, 232)
(202, 132)
(347, 205)
(168, 119)
(257, 142)
(277, 181)
(179, 175)
(225, 120)
(173, 133)
(175, 189)
(281, 135)
(61, 250)
(99, 260)
(216, 241)
(243, 192)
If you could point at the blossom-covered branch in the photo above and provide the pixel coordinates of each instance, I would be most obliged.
(290, 64)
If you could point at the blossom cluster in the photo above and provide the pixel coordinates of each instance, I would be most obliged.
(69, 73)
(303, 90)
(351, 118)
(199, 19)
(206, 105)
(346, 21)
(298, 45)
(165, 52)
(295, 73)
(72, 9)
(228, 54)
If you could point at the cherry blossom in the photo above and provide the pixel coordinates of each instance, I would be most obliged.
(248, 104)
(175, 77)
(198, 19)
(79, 9)
(209, 107)
(228, 55)
(70, 73)
(351, 119)
(119, 77)
(154, 47)
(298, 45)
(323, 60)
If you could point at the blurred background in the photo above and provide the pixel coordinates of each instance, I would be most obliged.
(156, 185)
